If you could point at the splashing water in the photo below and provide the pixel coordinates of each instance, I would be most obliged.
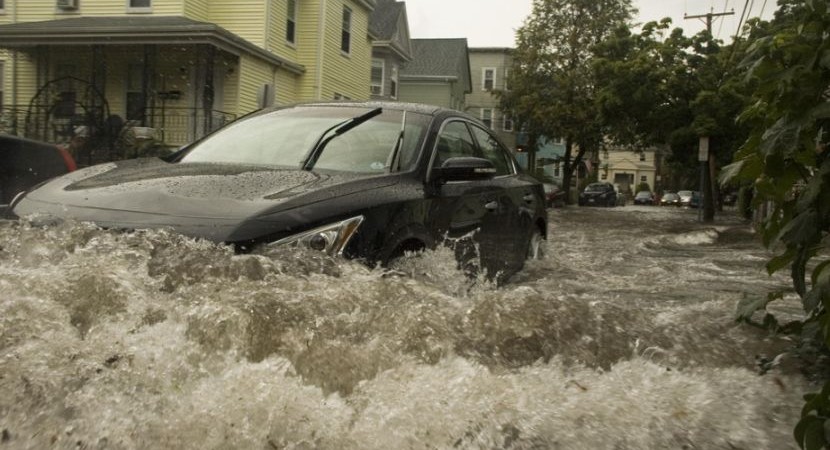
(622, 339)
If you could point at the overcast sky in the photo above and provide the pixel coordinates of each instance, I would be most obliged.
(492, 23)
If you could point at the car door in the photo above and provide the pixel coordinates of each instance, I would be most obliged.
(471, 215)
(520, 202)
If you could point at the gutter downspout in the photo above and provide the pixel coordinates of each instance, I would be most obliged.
(321, 30)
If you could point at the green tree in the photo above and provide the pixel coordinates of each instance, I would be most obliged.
(552, 89)
(786, 159)
(661, 88)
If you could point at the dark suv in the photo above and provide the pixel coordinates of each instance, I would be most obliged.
(598, 194)
(24, 163)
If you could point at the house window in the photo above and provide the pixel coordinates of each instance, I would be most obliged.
(339, 96)
(135, 92)
(487, 117)
(488, 78)
(139, 4)
(2, 9)
(643, 179)
(642, 156)
(508, 122)
(506, 74)
(291, 22)
(556, 170)
(377, 77)
(346, 35)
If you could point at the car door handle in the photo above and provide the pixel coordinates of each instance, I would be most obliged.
(528, 198)
(491, 206)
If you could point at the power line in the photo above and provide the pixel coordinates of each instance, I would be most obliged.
(740, 21)
(725, 7)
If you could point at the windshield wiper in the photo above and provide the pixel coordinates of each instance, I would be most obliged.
(394, 160)
(337, 129)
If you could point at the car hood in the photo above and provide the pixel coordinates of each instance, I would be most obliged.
(197, 199)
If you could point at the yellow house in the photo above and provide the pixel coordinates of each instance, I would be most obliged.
(174, 68)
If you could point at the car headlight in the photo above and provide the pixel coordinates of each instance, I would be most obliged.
(331, 238)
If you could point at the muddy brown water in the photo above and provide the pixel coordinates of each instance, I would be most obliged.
(623, 338)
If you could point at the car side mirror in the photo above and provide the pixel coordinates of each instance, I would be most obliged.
(465, 168)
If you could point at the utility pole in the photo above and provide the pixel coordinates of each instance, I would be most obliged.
(707, 190)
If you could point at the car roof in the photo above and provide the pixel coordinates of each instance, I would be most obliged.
(397, 106)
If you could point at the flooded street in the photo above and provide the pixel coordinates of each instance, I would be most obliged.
(623, 338)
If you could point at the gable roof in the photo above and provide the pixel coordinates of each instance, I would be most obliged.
(389, 27)
(439, 58)
(127, 30)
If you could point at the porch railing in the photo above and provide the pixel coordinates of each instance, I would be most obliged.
(95, 139)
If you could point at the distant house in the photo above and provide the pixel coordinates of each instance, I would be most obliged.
(391, 48)
(439, 73)
(627, 168)
(178, 67)
(489, 70)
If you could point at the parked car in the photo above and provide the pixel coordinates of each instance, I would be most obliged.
(24, 163)
(598, 194)
(554, 195)
(729, 198)
(368, 181)
(670, 199)
(690, 199)
(644, 198)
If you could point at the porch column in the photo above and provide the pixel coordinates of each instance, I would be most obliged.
(98, 78)
(207, 89)
(148, 100)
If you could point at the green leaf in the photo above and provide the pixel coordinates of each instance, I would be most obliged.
(749, 305)
(781, 261)
(802, 229)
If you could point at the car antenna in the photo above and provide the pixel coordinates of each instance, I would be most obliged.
(339, 129)
(394, 160)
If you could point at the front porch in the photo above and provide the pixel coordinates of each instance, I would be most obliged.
(105, 81)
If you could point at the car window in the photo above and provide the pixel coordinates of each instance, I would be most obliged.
(454, 141)
(285, 137)
(492, 150)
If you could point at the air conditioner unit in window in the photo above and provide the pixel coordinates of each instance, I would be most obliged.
(376, 89)
(67, 4)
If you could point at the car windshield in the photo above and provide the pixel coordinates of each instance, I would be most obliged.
(643, 194)
(684, 193)
(597, 187)
(285, 137)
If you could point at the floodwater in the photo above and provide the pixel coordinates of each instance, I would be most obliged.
(623, 338)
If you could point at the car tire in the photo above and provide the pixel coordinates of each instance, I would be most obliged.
(536, 246)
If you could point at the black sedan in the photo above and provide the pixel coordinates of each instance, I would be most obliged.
(368, 181)
(598, 194)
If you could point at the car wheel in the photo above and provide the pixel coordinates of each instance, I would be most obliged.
(536, 246)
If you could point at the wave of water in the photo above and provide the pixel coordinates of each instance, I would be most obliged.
(623, 339)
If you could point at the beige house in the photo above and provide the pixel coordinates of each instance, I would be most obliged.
(175, 68)
(489, 69)
(439, 73)
(626, 168)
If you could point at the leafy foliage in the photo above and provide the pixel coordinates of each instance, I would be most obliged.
(786, 158)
